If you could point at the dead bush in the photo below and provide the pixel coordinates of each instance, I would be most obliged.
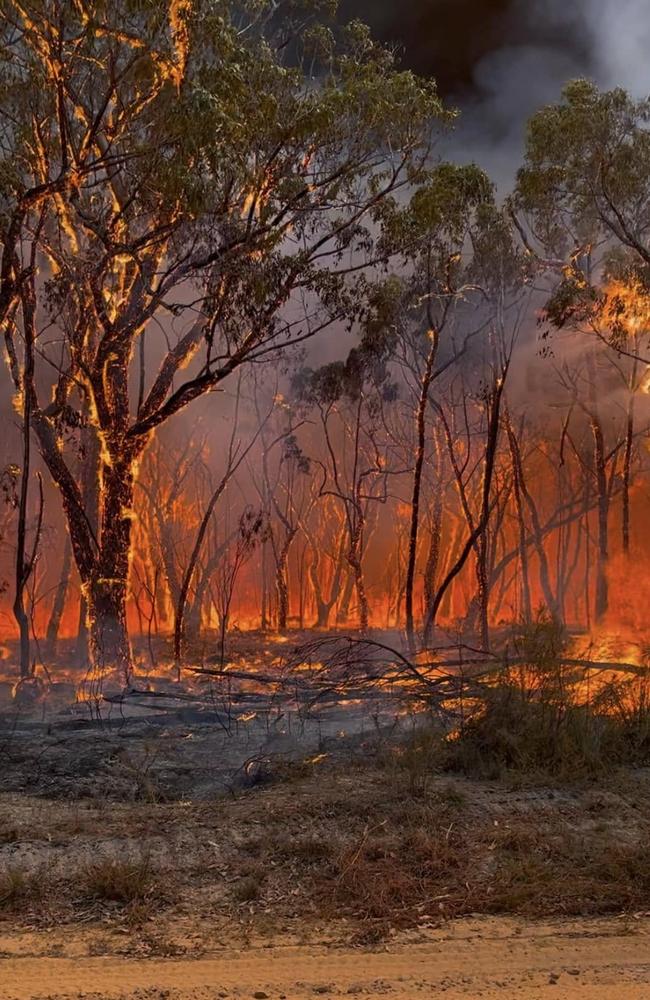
(413, 762)
(309, 850)
(247, 889)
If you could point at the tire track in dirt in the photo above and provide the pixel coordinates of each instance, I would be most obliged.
(559, 963)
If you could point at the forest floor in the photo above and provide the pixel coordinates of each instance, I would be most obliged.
(208, 849)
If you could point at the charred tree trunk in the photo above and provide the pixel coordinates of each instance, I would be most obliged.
(601, 601)
(602, 590)
(22, 568)
(538, 535)
(264, 609)
(343, 612)
(188, 576)
(108, 634)
(359, 585)
(25, 562)
(324, 604)
(22, 563)
(483, 592)
(82, 647)
(480, 528)
(627, 476)
(58, 604)
(420, 423)
(323, 607)
(527, 609)
(433, 555)
(355, 560)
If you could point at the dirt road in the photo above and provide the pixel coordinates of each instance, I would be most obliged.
(483, 959)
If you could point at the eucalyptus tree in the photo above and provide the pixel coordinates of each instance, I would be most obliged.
(185, 187)
(459, 298)
(585, 183)
(499, 275)
(582, 208)
(582, 204)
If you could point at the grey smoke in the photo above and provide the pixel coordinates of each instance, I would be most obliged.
(605, 40)
(614, 33)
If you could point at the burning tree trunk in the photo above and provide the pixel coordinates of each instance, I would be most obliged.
(102, 558)
(89, 452)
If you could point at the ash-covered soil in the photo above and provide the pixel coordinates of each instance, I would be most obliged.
(181, 755)
(332, 877)
(219, 728)
(353, 848)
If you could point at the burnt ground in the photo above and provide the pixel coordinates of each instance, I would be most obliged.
(216, 730)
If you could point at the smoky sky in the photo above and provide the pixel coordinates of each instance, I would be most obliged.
(499, 60)
(444, 38)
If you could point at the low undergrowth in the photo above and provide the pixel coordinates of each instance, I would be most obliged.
(20, 887)
(540, 739)
(362, 844)
(545, 719)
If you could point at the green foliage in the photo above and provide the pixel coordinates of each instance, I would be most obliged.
(229, 136)
(455, 249)
(586, 175)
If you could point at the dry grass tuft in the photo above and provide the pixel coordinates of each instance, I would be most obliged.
(123, 881)
(20, 887)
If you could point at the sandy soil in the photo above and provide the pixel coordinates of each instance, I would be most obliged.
(484, 958)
